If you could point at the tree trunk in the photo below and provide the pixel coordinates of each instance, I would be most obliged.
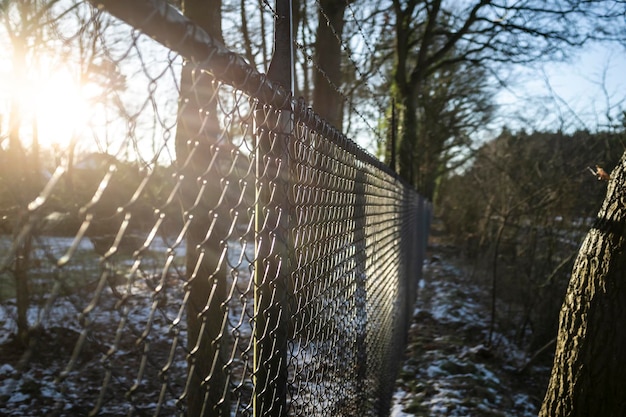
(21, 183)
(404, 91)
(197, 133)
(21, 265)
(589, 372)
(407, 138)
(327, 100)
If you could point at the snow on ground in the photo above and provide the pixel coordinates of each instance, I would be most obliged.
(127, 353)
(449, 371)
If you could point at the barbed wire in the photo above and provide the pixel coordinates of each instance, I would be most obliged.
(267, 5)
(339, 91)
(345, 97)
(346, 48)
(364, 37)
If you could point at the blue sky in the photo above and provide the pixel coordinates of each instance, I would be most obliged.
(571, 95)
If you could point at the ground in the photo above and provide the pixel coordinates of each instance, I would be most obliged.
(450, 370)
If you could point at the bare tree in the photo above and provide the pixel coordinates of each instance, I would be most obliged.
(481, 33)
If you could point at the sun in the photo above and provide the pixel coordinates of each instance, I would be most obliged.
(50, 103)
(61, 109)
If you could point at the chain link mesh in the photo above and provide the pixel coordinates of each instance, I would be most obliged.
(210, 247)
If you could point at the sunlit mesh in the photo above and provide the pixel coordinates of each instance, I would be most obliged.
(209, 247)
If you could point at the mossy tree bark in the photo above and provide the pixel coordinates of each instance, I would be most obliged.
(589, 372)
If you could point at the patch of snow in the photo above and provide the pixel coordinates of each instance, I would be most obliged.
(121, 335)
(397, 409)
(447, 378)
(523, 403)
(18, 397)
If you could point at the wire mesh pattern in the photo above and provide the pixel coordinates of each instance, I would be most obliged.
(216, 249)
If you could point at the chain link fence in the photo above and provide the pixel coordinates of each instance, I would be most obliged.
(203, 245)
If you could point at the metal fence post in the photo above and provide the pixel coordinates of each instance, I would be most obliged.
(360, 224)
(274, 128)
(271, 267)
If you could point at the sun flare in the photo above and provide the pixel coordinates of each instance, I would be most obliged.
(60, 110)
(52, 99)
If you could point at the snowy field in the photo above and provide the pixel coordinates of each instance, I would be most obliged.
(449, 371)
(121, 349)
(113, 338)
